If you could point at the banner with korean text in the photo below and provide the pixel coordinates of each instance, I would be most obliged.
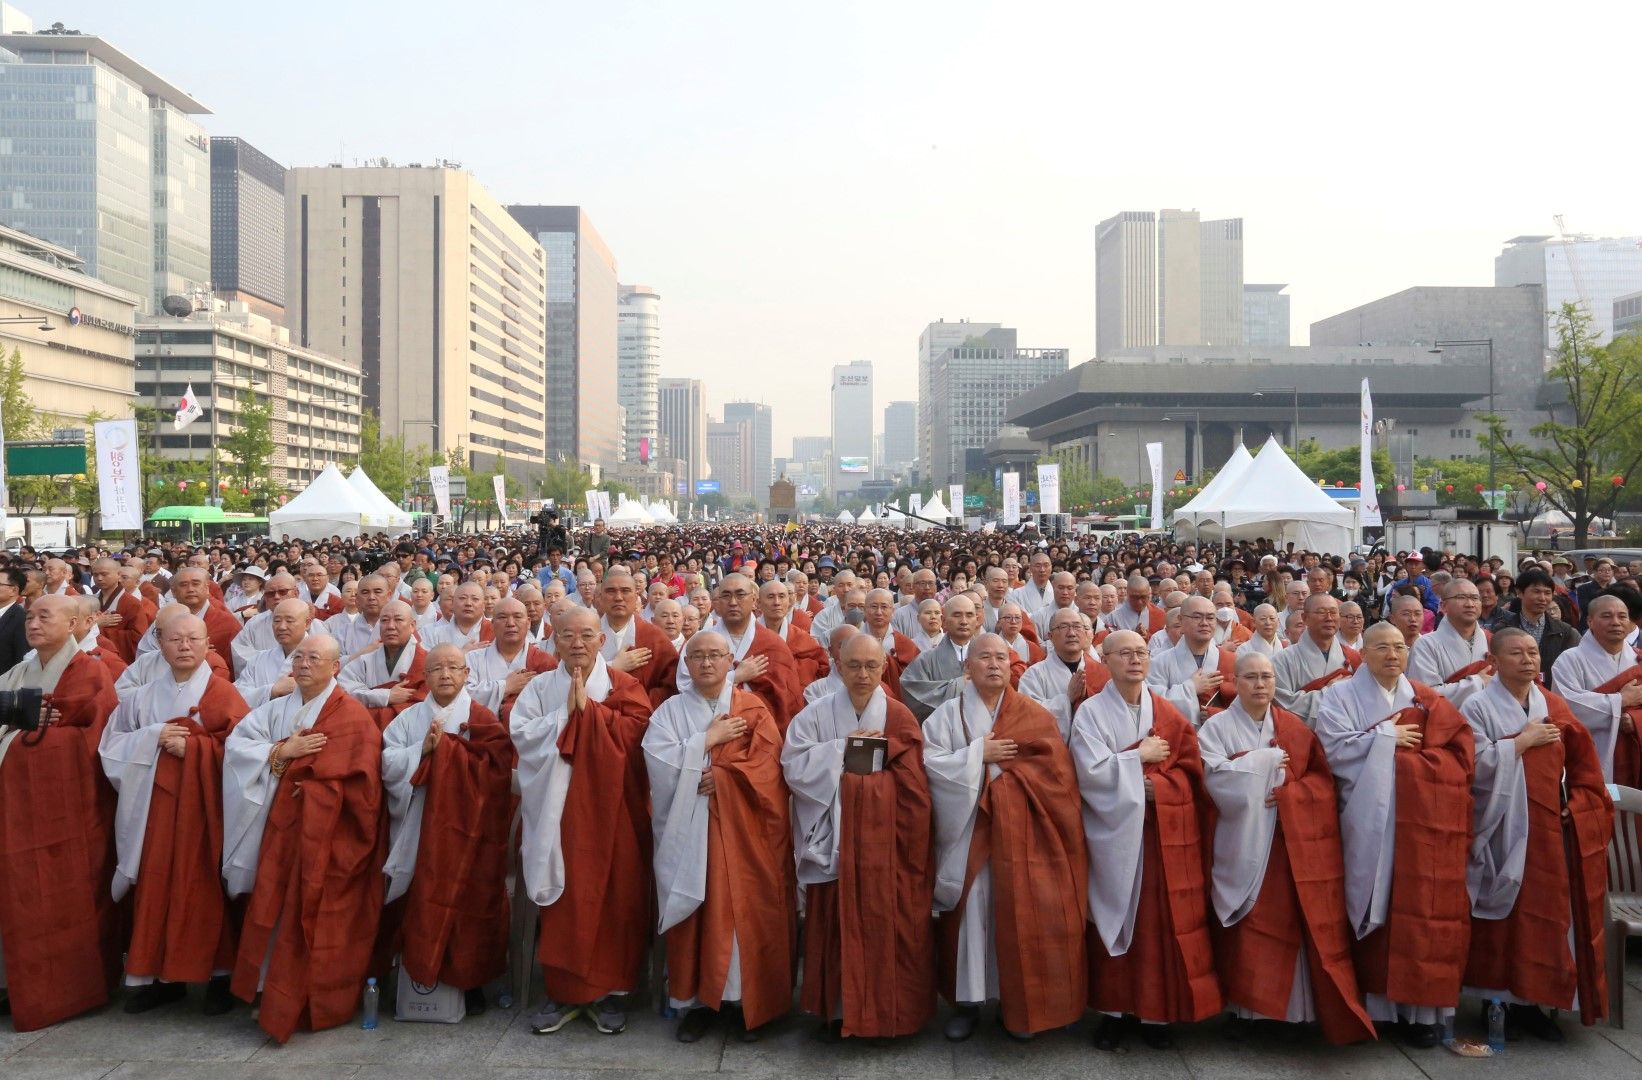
(119, 474)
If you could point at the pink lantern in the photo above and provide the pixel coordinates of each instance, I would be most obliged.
(1402, 487)
(182, 485)
(1539, 485)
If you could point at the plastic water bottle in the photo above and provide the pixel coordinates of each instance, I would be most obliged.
(1496, 1026)
(504, 999)
(372, 1004)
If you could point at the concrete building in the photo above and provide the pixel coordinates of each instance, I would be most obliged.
(248, 227)
(1102, 413)
(638, 368)
(73, 332)
(1180, 277)
(421, 279)
(1511, 319)
(761, 461)
(1581, 270)
(851, 427)
(1265, 316)
(681, 425)
(937, 337)
(1222, 283)
(1125, 282)
(730, 456)
(102, 156)
(1627, 314)
(582, 301)
(229, 355)
(970, 391)
(811, 447)
(651, 481)
(900, 436)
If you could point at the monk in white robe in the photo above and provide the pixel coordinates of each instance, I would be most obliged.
(1314, 661)
(1194, 675)
(500, 671)
(267, 675)
(1267, 638)
(937, 676)
(1453, 659)
(387, 678)
(1057, 682)
(357, 632)
(257, 635)
(1601, 678)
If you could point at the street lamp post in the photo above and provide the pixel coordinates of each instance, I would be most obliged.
(1197, 438)
(404, 461)
(1294, 431)
(1484, 343)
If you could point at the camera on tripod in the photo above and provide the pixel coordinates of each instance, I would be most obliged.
(20, 709)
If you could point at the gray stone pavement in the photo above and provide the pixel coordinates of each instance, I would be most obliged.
(177, 1043)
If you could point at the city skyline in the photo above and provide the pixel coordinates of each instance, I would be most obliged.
(692, 181)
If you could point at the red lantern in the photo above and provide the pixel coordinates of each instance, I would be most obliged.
(1358, 485)
(1449, 489)
(245, 491)
(1479, 489)
(1402, 487)
(222, 485)
(1340, 483)
(1618, 481)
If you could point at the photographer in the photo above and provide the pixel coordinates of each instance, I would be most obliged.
(54, 866)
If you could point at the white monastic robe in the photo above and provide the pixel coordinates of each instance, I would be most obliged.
(259, 676)
(812, 758)
(1114, 808)
(1576, 675)
(248, 784)
(1300, 664)
(1125, 617)
(1020, 647)
(934, 677)
(1258, 644)
(352, 632)
(256, 635)
(1160, 643)
(1441, 653)
(675, 755)
(954, 743)
(401, 757)
(1032, 598)
(487, 674)
(1171, 676)
(1356, 721)
(425, 619)
(1048, 683)
(130, 750)
(362, 675)
(1499, 834)
(324, 596)
(739, 644)
(1041, 617)
(904, 621)
(823, 687)
(446, 632)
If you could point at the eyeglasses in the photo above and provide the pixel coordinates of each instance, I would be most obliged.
(863, 665)
(1130, 654)
(707, 657)
(434, 669)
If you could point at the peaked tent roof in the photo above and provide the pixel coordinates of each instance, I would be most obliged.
(381, 513)
(328, 507)
(846, 518)
(934, 509)
(1234, 467)
(867, 515)
(629, 513)
(1273, 498)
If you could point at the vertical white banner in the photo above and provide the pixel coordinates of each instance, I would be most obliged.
(1049, 488)
(955, 500)
(119, 474)
(604, 505)
(439, 481)
(592, 498)
(1154, 453)
(499, 483)
(1368, 499)
(915, 503)
(1011, 498)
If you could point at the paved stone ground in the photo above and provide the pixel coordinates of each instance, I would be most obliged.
(177, 1043)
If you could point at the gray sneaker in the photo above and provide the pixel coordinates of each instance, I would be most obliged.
(607, 1015)
(552, 1016)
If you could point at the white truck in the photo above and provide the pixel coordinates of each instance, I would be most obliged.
(42, 532)
(1484, 539)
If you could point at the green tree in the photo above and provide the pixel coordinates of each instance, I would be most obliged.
(251, 444)
(389, 462)
(23, 421)
(1591, 439)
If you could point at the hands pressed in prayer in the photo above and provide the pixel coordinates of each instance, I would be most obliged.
(301, 744)
(174, 739)
(1537, 734)
(577, 699)
(751, 668)
(430, 741)
(630, 660)
(725, 728)
(994, 751)
(1077, 690)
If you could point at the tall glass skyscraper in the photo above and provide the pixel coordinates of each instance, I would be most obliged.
(247, 226)
(638, 368)
(101, 156)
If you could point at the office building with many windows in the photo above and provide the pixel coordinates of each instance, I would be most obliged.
(1125, 282)
(638, 369)
(852, 427)
(681, 425)
(761, 453)
(900, 436)
(971, 389)
(248, 227)
(1579, 270)
(1265, 316)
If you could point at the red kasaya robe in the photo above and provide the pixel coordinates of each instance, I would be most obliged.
(896, 661)
(1526, 953)
(220, 627)
(660, 673)
(57, 918)
(778, 687)
(181, 930)
(415, 680)
(1418, 956)
(1627, 751)
(593, 939)
(1353, 661)
(750, 878)
(537, 660)
(1213, 701)
(1301, 901)
(1168, 973)
(1028, 826)
(867, 939)
(811, 659)
(135, 618)
(455, 920)
(319, 879)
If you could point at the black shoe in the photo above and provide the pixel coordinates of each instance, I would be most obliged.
(1109, 1036)
(218, 998)
(5, 1003)
(829, 1032)
(694, 1025)
(1528, 1018)
(961, 1024)
(1240, 1029)
(742, 1031)
(474, 1001)
(1422, 1036)
(1156, 1036)
(152, 996)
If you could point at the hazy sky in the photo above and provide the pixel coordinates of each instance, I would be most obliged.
(810, 187)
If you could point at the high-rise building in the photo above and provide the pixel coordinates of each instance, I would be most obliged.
(581, 333)
(761, 452)
(811, 447)
(229, 354)
(638, 368)
(248, 227)
(103, 157)
(681, 425)
(1180, 277)
(1222, 283)
(851, 427)
(422, 279)
(970, 392)
(936, 338)
(1265, 316)
(1579, 270)
(730, 455)
(900, 435)
(1627, 314)
(1125, 282)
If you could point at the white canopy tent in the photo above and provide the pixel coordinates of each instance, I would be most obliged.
(381, 514)
(846, 518)
(934, 510)
(1273, 498)
(328, 507)
(661, 514)
(866, 516)
(894, 518)
(629, 515)
(1234, 467)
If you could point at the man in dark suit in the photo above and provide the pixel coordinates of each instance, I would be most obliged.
(1602, 577)
(13, 643)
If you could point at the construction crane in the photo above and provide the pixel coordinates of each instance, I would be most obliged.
(1573, 262)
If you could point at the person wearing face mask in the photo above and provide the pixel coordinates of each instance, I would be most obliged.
(1230, 629)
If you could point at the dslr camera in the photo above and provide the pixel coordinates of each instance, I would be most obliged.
(20, 709)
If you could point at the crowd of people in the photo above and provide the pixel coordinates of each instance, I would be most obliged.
(1146, 780)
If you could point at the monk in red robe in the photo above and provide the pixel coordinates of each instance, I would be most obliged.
(899, 651)
(190, 587)
(163, 747)
(863, 857)
(86, 612)
(124, 615)
(302, 795)
(387, 676)
(775, 612)
(763, 664)
(634, 646)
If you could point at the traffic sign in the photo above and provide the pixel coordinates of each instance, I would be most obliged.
(1180, 476)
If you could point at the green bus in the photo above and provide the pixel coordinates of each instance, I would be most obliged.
(201, 524)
